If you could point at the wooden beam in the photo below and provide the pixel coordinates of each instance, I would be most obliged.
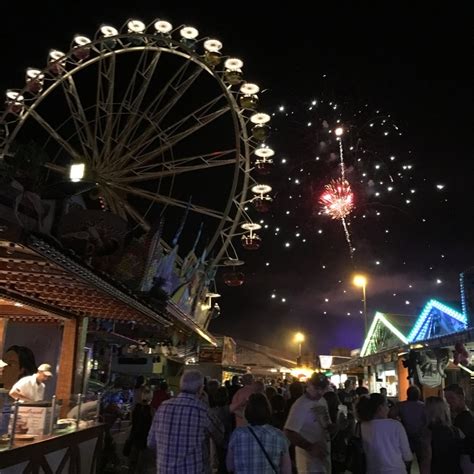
(65, 369)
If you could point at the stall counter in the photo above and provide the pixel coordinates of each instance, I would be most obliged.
(73, 451)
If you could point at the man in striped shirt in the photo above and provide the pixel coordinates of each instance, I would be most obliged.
(182, 428)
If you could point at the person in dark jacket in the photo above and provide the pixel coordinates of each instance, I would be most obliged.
(446, 439)
(142, 416)
(462, 417)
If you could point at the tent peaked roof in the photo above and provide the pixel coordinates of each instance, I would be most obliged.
(397, 324)
(437, 319)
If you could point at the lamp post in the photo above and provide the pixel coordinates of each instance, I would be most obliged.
(299, 339)
(361, 282)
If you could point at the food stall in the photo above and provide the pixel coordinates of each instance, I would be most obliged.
(48, 300)
(381, 356)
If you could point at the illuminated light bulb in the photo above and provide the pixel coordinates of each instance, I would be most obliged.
(233, 64)
(326, 300)
(377, 167)
(440, 186)
(392, 158)
(108, 31)
(320, 231)
(309, 124)
(281, 108)
(283, 160)
(313, 103)
(438, 281)
(267, 264)
(287, 244)
(390, 188)
(283, 300)
(377, 262)
(407, 302)
(136, 26)
(163, 27)
(273, 295)
(339, 131)
(214, 46)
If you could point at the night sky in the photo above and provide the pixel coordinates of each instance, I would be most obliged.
(370, 62)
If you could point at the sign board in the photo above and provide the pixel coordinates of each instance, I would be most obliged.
(33, 420)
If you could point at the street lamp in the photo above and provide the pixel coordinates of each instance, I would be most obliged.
(361, 282)
(299, 339)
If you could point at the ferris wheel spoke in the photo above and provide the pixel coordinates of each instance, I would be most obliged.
(178, 92)
(173, 172)
(105, 103)
(133, 100)
(126, 209)
(200, 117)
(112, 201)
(79, 118)
(159, 198)
(155, 113)
(54, 134)
(207, 158)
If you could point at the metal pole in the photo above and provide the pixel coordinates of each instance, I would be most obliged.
(364, 300)
(16, 405)
(53, 413)
(299, 349)
(79, 406)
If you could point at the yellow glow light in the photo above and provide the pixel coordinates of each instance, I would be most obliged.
(299, 337)
(302, 373)
(360, 281)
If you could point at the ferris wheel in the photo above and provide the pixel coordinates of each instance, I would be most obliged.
(150, 117)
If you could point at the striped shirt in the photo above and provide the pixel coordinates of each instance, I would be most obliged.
(180, 435)
(248, 455)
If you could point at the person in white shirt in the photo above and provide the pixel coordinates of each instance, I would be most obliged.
(384, 440)
(308, 428)
(31, 388)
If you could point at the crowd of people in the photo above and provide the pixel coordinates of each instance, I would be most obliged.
(246, 426)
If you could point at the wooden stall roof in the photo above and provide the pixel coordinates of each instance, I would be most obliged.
(37, 279)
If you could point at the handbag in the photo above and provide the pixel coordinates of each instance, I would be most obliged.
(355, 460)
(263, 449)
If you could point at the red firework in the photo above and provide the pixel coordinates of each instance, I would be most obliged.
(337, 199)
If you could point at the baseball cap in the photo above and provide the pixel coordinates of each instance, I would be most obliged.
(319, 381)
(46, 369)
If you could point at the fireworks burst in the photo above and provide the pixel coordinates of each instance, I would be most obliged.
(338, 202)
(337, 199)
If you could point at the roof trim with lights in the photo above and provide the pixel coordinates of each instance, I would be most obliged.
(380, 318)
(420, 330)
